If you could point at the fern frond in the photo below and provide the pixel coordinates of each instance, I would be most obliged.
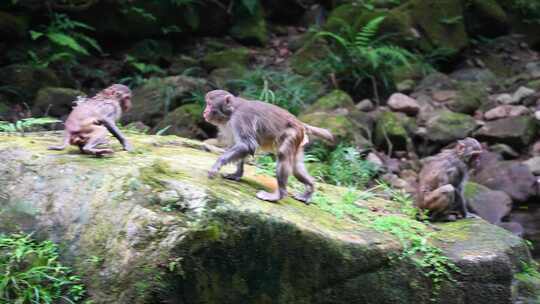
(394, 54)
(364, 37)
(342, 41)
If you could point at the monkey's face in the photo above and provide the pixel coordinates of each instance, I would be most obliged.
(469, 149)
(121, 93)
(218, 108)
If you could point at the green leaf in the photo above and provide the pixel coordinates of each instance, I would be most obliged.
(251, 5)
(91, 41)
(192, 17)
(35, 35)
(68, 41)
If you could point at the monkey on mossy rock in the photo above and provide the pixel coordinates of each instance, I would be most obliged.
(442, 179)
(91, 119)
(256, 124)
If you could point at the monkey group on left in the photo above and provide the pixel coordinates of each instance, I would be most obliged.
(253, 125)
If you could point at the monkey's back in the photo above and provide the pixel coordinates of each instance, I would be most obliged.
(265, 123)
(443, 168)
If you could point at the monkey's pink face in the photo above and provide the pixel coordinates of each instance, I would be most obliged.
(216, 112)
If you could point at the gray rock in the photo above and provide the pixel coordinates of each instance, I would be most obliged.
(473, 75)
(522, 93)
(517, 131)
(533, 68)
(533, 164)
(446, 127)
(506, 111)
(489, 204)
(512, 177)
(504, 98)
(365, 105)
(402, 103)
(55, 101)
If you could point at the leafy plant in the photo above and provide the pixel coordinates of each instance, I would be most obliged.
(26, 124)
(31, 273)
(66, 38)
(530, 9)
(282, 88)
(360, 55)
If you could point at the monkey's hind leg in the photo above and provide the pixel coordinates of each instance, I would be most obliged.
(302, 175)
(286, 153)
(97, 138)
(237, 175)
(64, 144)
(439, 202)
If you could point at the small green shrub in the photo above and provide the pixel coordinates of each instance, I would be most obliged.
(357, 56)
(31, 273)
(26, 124)
(282, 88)
(66, 38)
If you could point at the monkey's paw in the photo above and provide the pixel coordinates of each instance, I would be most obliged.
(128, 147)
(233, 177)
(212, 174)
(267, 196)
(304, 198)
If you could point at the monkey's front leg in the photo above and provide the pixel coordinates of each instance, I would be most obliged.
(111, 126)
(237, 175)
(236, 152)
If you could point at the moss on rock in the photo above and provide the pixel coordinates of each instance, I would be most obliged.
(391, 127)
(183, 121)
(446, 127)
(27, 80)
(250, 27)
(331, 101)
(227, 58)
(55, 101)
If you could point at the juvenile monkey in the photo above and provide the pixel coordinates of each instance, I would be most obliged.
(91, 119)
(256, 124)
(442, 178)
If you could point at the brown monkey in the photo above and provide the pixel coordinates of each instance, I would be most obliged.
(256, 124)
(92, 118)
(442, 178)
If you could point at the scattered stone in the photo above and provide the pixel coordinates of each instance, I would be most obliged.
(446, 127)
(533, 68)
(533, 164)
(402, 103)
(504, 98)
(506, 111)
(514, 131)
(537, 115)
(406, 86)
(489, 204)
(445, 95)
(375, 159)
(365, 105)
(512, 177)
(473, 75)
(390, 127)
(535, 149)
(522, 93)
(505, 151)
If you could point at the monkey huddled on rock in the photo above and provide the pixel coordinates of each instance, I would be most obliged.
(442, 179)
(91, 119)
(259, 125)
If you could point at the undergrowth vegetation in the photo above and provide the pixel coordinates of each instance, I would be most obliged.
(357, 56)
(280, 87)
(31, 273)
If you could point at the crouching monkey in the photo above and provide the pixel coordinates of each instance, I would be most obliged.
(256, 124)
(442, 178)
(91, 119)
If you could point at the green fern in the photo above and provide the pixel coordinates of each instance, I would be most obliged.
(362, 54)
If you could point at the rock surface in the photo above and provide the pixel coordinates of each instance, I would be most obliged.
(165, 233)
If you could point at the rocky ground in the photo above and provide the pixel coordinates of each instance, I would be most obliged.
(149, 227)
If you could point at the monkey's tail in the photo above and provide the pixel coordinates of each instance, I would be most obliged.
(320, 132)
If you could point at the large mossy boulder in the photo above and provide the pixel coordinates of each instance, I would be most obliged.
(186, 121)
(54, 101)
(227, 58)
(486, 18)
(23, 81)
(332, 101)
(162, 232)
(154, 99)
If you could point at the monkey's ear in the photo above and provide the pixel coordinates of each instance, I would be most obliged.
(229, 98)
(460, 147)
